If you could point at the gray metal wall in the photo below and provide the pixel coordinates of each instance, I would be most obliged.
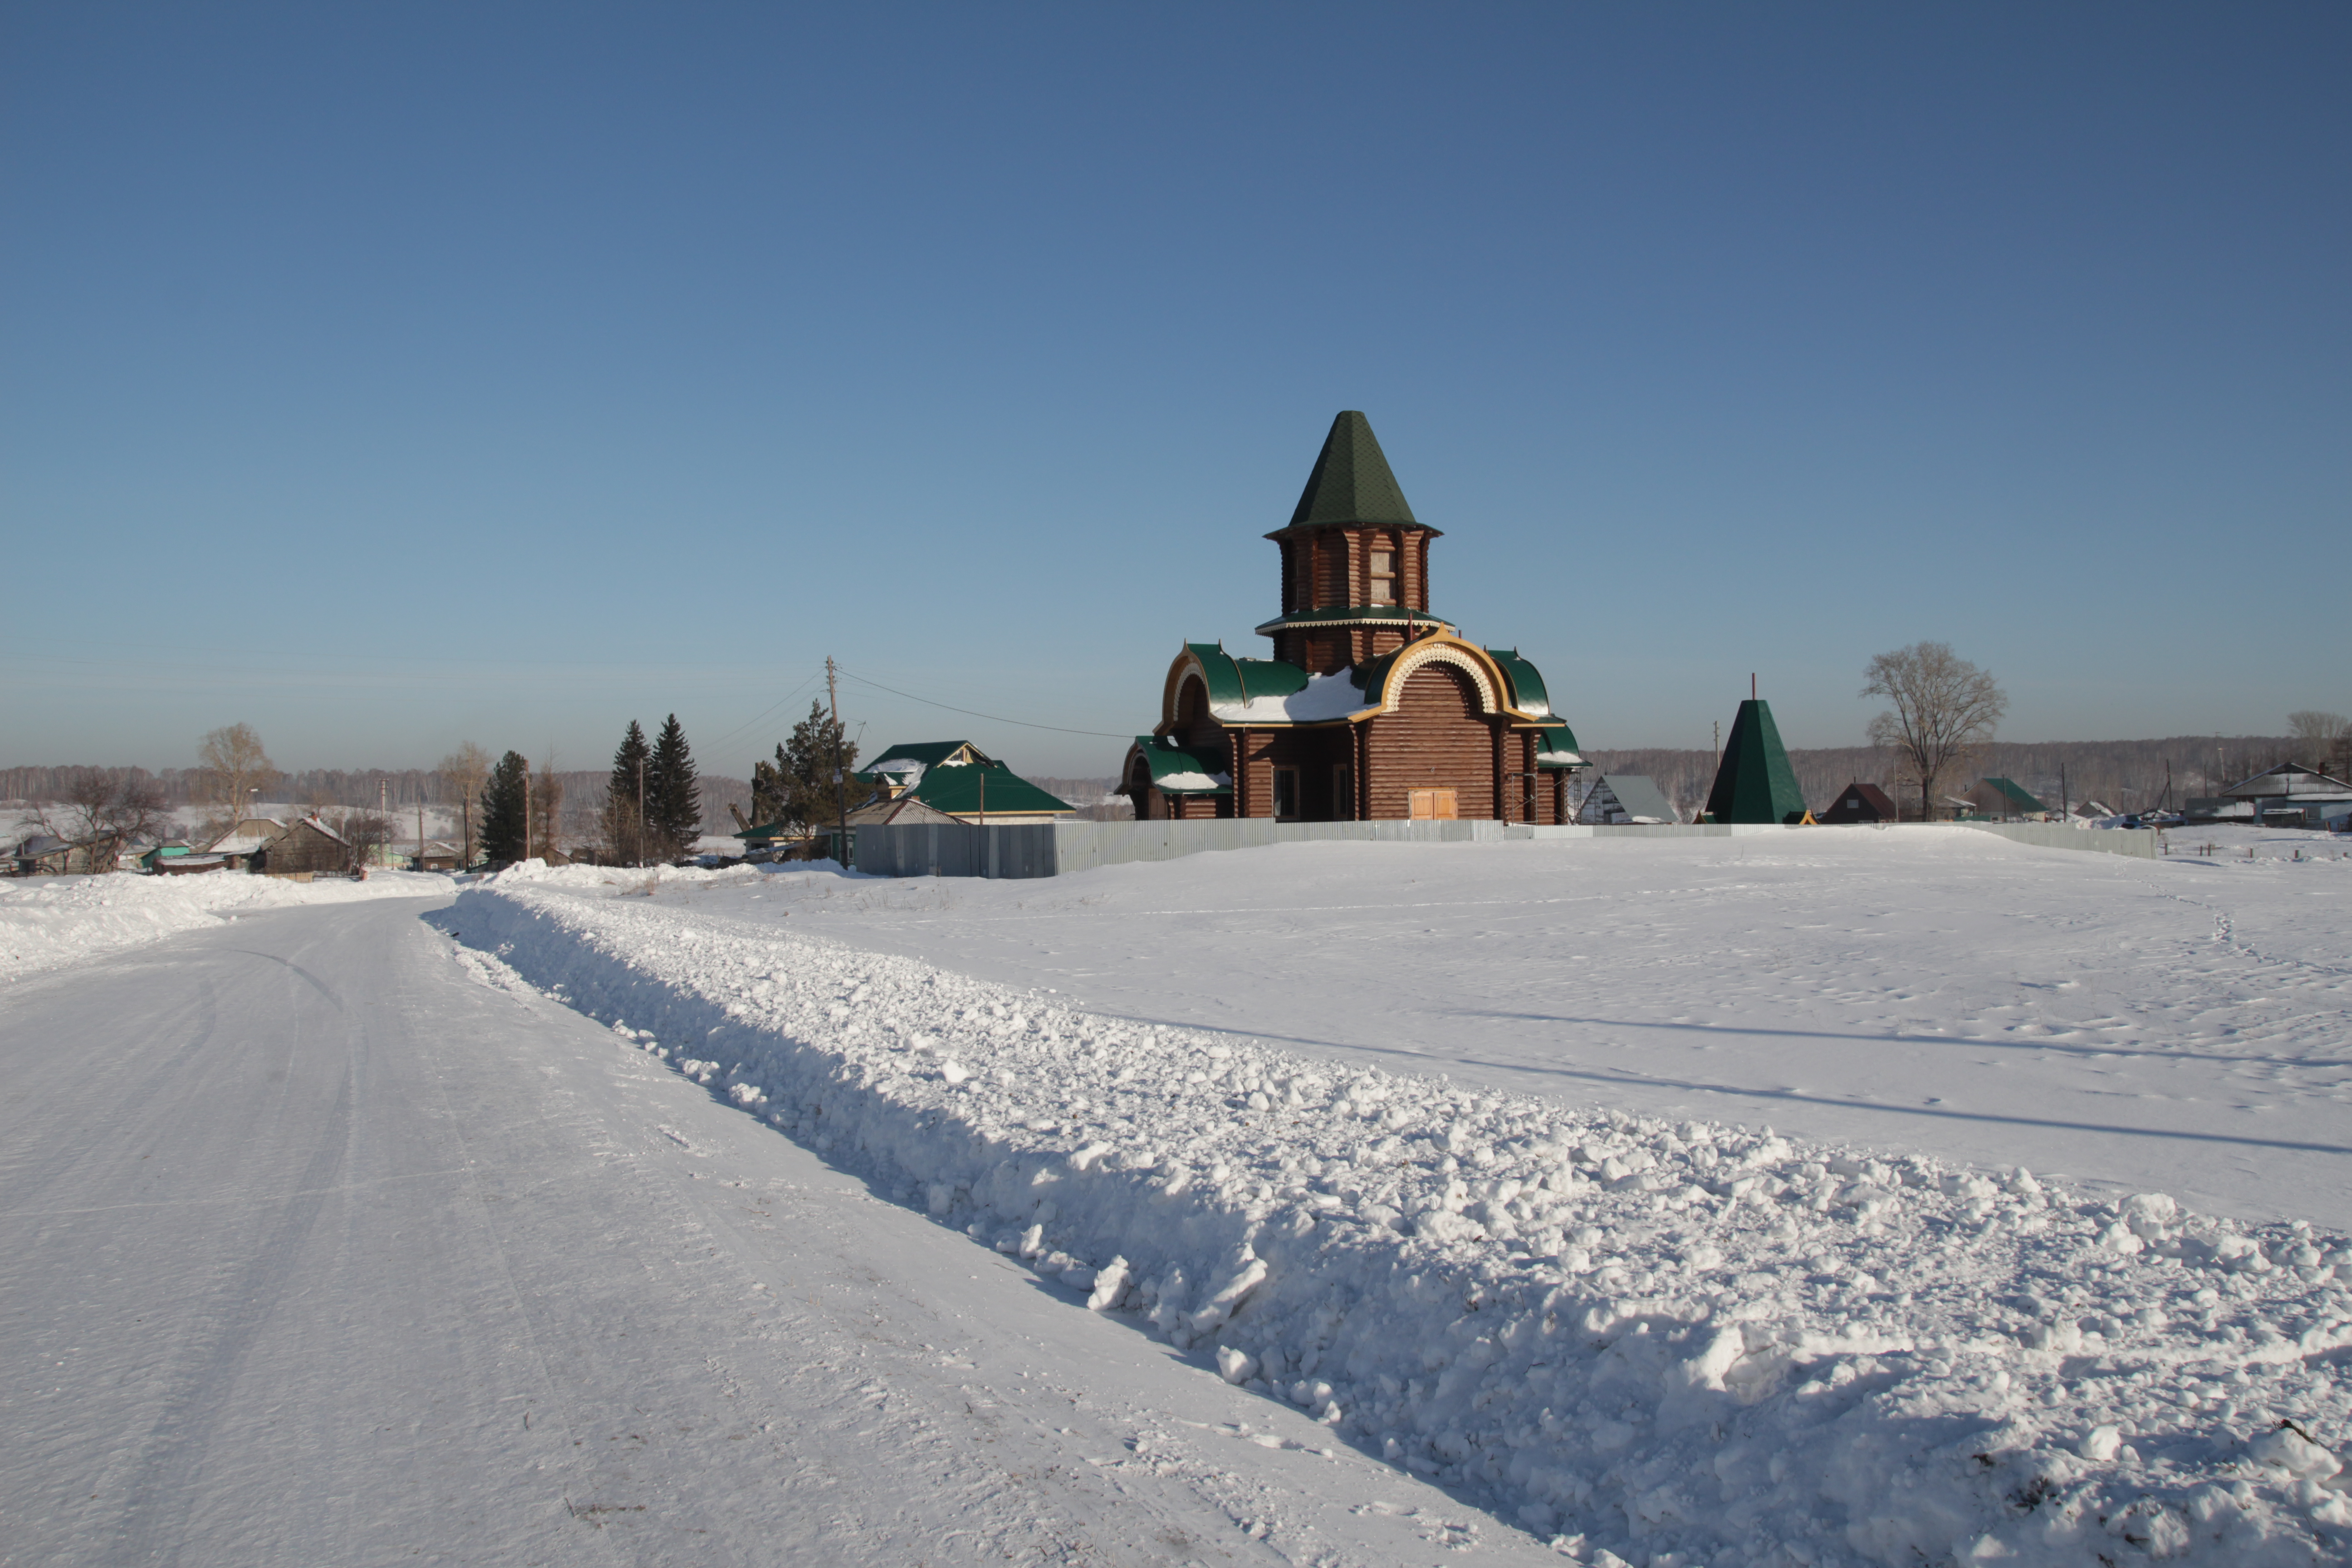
(1049, 849)
(2138, 841)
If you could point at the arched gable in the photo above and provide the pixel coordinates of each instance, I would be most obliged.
(1384, 679)
(1216, 670)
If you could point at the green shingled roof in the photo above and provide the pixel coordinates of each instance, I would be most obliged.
(1350, 482)
(930, 753)
(2015, 793)
(1755, 782)
(957, 790)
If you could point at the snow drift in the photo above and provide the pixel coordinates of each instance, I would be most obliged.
(1667, 1343)
(46, 922)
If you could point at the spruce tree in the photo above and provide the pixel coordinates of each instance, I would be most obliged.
(504, 824)
(673, 803)
(807, 762)
(770, 796)
(625, 797)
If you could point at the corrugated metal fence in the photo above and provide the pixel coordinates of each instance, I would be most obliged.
(1049, 849)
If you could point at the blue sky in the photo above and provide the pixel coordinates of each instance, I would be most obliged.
(389, 376)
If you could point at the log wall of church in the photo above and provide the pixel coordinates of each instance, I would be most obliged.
(1438, 739)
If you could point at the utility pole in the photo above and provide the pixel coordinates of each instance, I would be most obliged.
(2064, 801)
(526, 811)
(840, 779)
(641, 813)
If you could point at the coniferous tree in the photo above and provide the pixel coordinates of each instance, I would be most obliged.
(626, 797)
(771, 796)
(806, 764)
(505, 823)
(673, 803)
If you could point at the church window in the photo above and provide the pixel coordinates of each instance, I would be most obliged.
(1383, 575)
(1286, 793)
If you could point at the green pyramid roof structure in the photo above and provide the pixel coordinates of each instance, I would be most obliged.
(1755, 783)
(1351, 482)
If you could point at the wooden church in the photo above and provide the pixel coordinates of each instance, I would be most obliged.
(1373, 706)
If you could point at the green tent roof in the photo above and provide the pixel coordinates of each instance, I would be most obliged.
(1168, 761)
(1350, 482)
(958, 791)
(1755, 783)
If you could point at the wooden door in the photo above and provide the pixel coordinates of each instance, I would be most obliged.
(1435, 806)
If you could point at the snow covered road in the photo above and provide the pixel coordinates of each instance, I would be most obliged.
(321, 1251)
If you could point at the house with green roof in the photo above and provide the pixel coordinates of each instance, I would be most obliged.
(2004, 800)
(959, 779)
(1371, 706)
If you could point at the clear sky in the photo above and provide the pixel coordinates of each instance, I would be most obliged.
(386, 376)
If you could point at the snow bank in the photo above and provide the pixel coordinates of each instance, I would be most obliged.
(50, 922)
(1665, 1343)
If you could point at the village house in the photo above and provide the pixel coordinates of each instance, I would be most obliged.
(1618, 800)
(927, 782)
(2292, 795)
(1371, 706)
(2003, 800)
(432, 855)
(241, 842)
(305, 848)
(956, 778)
(1861, 802)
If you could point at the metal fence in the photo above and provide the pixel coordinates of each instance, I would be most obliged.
(1051, 849)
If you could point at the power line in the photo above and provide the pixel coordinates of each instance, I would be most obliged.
(975, 713)
(771, 708)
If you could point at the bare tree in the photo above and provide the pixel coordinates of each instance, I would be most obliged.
(103, 810)
(466, 768)
(231, 766)
(2327, 735)
(1944, 709)
(546, 807)
(367, 833)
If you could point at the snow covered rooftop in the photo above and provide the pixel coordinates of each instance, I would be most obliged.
(1323, 697)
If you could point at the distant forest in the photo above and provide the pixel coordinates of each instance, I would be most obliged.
(583, 792)
(2130, 775)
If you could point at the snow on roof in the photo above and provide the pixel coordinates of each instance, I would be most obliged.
(236, 844)
(1323, 697)
(1192, 781)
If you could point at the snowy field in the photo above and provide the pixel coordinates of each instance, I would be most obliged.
(50, 922)
(2180, 1026)
(1581, 1282)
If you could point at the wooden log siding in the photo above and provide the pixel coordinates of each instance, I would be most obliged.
(1437, 739)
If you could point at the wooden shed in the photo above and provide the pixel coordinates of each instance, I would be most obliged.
(1373, 706)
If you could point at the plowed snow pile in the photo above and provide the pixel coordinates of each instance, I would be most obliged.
(50, 922)
(1667, 1343)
